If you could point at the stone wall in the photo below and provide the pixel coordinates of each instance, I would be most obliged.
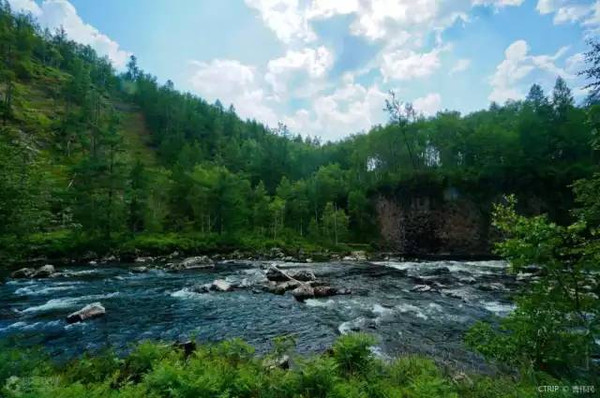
(445, 224)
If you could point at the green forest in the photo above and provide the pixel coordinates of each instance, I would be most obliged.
(97, 160)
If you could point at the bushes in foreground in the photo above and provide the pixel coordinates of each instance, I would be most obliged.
(231, 369)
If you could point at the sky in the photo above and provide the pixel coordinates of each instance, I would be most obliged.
(325, 67)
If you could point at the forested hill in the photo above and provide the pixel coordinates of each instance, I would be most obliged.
(91, 159)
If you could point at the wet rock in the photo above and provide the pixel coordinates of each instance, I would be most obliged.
(276, 253)
(188, 347)
(309, 260)
(197, 262)
(290, 259)
(281, 288)
(282, 362)
(90, 311)
(144, 260)
(140, 270)
(274, 274)
(303, 275)
(44, 272)
(303, 292)
(221, 285)
(201, 288)
(93, 263)
(23, 273)
(328, 291)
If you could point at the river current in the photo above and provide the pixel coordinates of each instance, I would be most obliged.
(160, 305)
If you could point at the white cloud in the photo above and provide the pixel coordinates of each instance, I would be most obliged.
(232, 82)
(460, 66)
(26, 6)
(498, 3)
(428, 105)
(407, 64)
(53, 14)
(303, 71)
(351, 108)
(508, 79)
(285, 18)
(572, 11)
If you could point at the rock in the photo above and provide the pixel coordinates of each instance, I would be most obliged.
(276, 275)
(281, 288)
(359, 255)
(325, 291)
(93, 263)
(139, 270)
(221, 285)
(197, 262)
(90, 311)
(303, 292)
(290, 259)
(188, 347)
(44, 272)
(309, 260)
(144, 260)
(303, 275)
(276, 253)
(282, 362)
(23, 273)
(201, 288)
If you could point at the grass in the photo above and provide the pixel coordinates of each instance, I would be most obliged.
(231, 369)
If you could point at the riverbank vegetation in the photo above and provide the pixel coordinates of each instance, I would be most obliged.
(231, 369)
(96, 160)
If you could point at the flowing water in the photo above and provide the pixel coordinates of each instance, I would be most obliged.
(159, 305)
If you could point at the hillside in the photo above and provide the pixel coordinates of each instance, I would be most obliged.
(94, 160)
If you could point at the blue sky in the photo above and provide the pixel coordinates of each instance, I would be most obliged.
(323, 67)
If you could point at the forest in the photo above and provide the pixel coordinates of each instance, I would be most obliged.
(98, 160)
(115, 162)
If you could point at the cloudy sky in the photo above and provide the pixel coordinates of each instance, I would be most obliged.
(323, 67)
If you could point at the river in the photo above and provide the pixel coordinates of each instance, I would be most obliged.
(161, 305)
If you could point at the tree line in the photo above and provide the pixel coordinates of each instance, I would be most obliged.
(70, 170)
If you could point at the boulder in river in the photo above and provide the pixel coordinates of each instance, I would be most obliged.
(274, 274)
(197, 262)
(281, 288)
(23, 273)
(139, 270)
(90, 311)
(303, 292)
(221, 285)
(303, 275)
(45, 272)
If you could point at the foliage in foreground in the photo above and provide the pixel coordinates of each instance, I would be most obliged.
(231, 369)
(557, 321)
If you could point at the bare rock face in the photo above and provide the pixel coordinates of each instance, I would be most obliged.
(90, 311)
(23, 273)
